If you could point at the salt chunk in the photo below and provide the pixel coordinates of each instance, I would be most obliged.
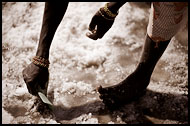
(118, 119)
(21, 91)
(90, 114)
(111, 122)
(73, 90)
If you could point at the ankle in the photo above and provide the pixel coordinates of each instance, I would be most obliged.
(142, 72)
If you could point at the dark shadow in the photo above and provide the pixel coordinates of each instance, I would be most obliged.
(16, 110)
(158, 105)
(161, 106)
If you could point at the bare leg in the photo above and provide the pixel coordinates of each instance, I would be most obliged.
(136, 83)
(34, 75)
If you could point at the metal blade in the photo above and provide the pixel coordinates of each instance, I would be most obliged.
(44, 98)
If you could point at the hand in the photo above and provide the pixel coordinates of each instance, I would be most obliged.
(99, 26)
(36, 79)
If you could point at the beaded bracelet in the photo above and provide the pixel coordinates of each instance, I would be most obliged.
(105, 16)
(108, 12)
(39, 61)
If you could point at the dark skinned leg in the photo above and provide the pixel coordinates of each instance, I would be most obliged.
(135, 84)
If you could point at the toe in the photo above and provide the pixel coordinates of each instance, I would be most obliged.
(103, 90)
(104, 96)
(100, 89)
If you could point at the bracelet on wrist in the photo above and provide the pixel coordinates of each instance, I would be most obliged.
(108, 12)
(105, 16)
(40, 61)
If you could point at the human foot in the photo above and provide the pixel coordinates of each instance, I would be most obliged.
(135, 84)
(126, 91)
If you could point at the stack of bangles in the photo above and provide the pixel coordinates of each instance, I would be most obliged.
(40, 61)
(106, 13)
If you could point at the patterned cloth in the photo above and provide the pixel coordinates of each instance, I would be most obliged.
(166, 19)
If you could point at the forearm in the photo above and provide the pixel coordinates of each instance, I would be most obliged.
(53, 14)
(114, 6)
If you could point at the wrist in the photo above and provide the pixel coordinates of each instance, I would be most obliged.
(43, 52)
(40, 61)
(106, 13)
(112, 7)
(115, 6)
(109, 12)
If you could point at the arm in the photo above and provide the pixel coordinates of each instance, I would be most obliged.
(114, 6)
(103, 20)
(53, 14)
(36, 76)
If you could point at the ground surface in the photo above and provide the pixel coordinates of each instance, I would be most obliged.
(79, 65)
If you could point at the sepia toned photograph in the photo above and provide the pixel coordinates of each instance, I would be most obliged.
(95, 62)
